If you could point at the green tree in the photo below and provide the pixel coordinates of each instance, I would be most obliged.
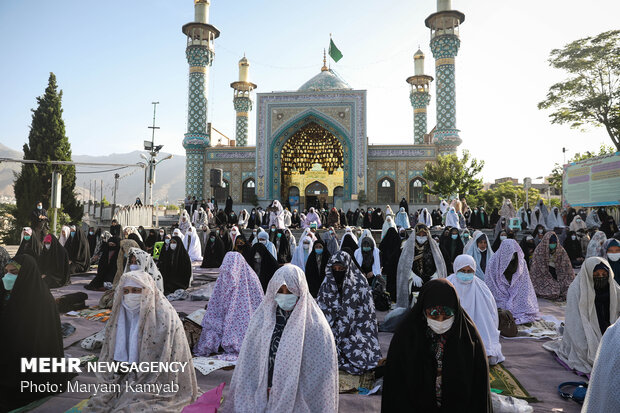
(452, 175)
(591, 94)
(47, 142)
(555, 180)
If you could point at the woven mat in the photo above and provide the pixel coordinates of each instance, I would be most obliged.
(95, 314)
(349, 383)
(504, 383)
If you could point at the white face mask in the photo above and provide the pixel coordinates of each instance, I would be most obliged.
(286, 301)
(421, 240)
(613, 256)
(481, 250)
(573, 237)
(132, 301)
(262, 241)
(306, 246)
(48, 246)
(173, 246)
(440, 327)
(502, 237)
(134, 267)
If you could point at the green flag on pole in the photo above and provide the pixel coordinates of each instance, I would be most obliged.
(334, 53)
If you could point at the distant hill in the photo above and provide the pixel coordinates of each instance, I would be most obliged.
(169, 185)
(7, 170)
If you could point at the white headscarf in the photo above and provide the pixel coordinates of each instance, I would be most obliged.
(554, 219)
(376, 265)
(577, 224)
(443, 206)
(477, 300)
(593, 220)
(425, 218)
(582, 333)
(157, 320)
(472, 249)
(277, 217)
(268, 244)
(64, 235)
(595, 246)
(305, 372)
(452, 219)
(540, 220)
(387, 224)
(300, 255)
(195, 254)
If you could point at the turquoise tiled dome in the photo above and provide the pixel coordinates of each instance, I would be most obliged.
(326, 80)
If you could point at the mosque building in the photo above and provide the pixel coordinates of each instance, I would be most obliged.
(311, 144)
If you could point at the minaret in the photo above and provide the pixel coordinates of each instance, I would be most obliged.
(242, 101)
(419, 97)
(199, 52)
(445, 42)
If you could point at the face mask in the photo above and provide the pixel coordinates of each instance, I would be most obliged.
(161, 233)
(421, 240)
(286, 301)
(90, 233)
(132, 301)
(72, 233)
(167, 241)
(540, 231)
(365, 249)
(134, 267)
(331, 232)
(306, 246)
(466, 236)
(440, 327)
(600, 282)
(613, 256)
(502, 237)
(27, 237)
(279, 235)
(481, 250)
(39, 207)
(338, 276)
(573, 237)
(319, 251)
(454, 236)
(212, 239)
(173, 246)
(552, 246)
(254, 233)
(9, 281)
(466, 278)
(262, 241)
(47, 246)
(273, 230)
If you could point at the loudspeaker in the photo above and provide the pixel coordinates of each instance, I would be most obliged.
(216, 178)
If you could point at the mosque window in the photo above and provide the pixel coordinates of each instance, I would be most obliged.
(248, 192)
(386, 191)
(416, 191)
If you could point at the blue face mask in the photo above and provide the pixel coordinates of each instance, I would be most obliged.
(39, 207)
(551, 246)
(464, 276)
(319, 251)
(9, 281)
(72, 233)
(167, 241)
(27, 237)
(279, 234)
(454, 236)
(365, 249)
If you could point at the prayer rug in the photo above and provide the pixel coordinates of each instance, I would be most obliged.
(31, 405)
(504, 383)
(96, 314)
(78, 407)
(349, 383)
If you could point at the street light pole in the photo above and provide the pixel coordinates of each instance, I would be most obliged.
(153, 154)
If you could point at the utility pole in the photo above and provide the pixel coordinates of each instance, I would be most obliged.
(116, 178)
(564, 154)
(153, 154)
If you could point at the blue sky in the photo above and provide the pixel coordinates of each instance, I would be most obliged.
(113, 58)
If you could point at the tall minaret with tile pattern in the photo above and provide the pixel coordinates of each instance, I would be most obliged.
(200, 53)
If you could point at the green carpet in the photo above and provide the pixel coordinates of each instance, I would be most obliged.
(504, 383)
